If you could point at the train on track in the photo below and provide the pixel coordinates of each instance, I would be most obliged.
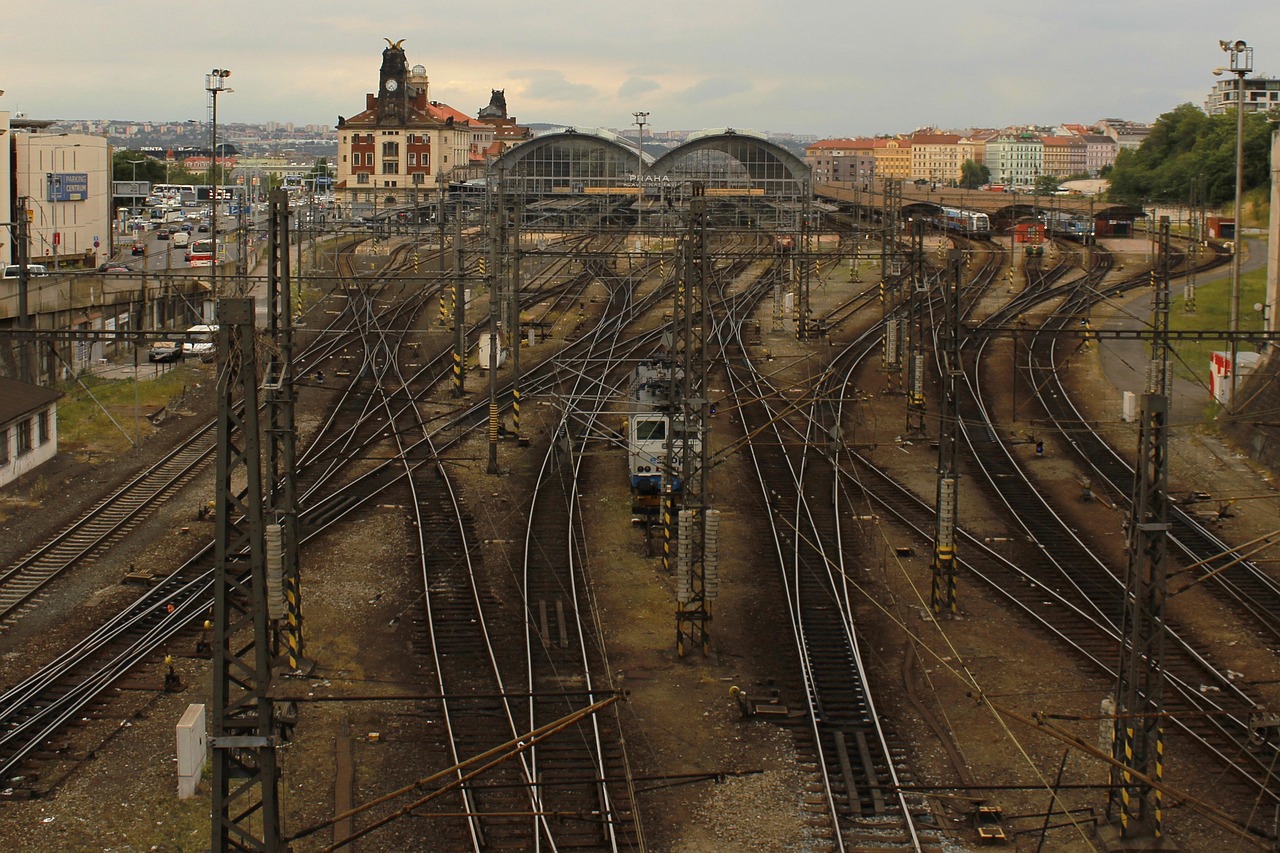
(969, 222)
(656, 436)
(1066, 225)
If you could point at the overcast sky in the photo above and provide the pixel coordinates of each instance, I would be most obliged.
(826, 67)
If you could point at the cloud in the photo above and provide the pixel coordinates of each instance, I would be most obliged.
(715, 89)
(637, 86)
(548, 85)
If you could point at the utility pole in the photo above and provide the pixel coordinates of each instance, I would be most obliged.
(1138, 734)
(918, 302)
(26, 356)
(688, 444)
(496, 234)
(943, 592)
(459, 307)
(804, 253)
(514, 330)
(891, 287)
(278, 385)
(243, 736)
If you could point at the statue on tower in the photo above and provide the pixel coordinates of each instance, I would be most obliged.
(497, 105)
(392, 91)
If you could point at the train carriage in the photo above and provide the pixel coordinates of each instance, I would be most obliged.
(656, 437)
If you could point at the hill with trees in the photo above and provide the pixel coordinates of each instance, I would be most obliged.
(1186, 145)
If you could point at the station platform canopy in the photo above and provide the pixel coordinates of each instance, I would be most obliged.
(735, 169)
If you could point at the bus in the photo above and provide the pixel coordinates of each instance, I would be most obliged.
(201, 253)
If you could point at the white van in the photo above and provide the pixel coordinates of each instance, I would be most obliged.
(11, 270)
(200, 341)
(179, 238)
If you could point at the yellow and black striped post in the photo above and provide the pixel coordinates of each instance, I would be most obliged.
(444, 306)
(515, 407)
(1158, 793)
(668, 520)
(493, 430)
(293, 623)
(458, 389)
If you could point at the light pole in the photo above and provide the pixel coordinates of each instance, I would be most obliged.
(134, 179)
(214, 85)
(1241, 64)
(54, 191)
(642, 119)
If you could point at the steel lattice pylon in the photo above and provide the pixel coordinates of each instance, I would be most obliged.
(245, 797)
(688, 442)
(1138, 735)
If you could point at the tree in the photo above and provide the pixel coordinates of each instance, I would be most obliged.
(1185, 144)
(973, 175)
(129, 165)
(1047, 185)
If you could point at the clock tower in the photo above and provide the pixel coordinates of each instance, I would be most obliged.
(393, 93)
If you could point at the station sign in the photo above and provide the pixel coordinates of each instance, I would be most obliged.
(66, 186)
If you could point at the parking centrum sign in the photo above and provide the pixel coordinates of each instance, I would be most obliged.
(67, 186)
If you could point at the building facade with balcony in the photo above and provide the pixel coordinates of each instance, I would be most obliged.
(893, 158)
(936, 158)
(841, 160)
(1261, 94)
(1064, 155)
(1015, 159)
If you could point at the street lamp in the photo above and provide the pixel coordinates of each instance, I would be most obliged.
(214, 85)
(134, 176)
(53, 193)
(642, 118)
(1241, 64)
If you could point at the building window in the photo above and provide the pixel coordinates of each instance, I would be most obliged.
(391, 149)
(390, 167)
(418, 178)
(4, 446)
(413, 159)
(362, 178)
(42, 427)
(24, 436)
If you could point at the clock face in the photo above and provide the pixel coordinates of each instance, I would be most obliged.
(391, 85)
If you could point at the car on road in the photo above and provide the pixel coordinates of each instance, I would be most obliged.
(139, 248)
(165, 352)
(180, 238)
(162, 234)
(112, 266)
(202, 228)
(14, 270)
(186, 226)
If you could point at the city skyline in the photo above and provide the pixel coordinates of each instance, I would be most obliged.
(591, 65)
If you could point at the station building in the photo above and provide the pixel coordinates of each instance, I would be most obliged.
(403, 148)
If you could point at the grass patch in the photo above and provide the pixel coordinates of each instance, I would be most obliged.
(86, 413)
(1213, 311)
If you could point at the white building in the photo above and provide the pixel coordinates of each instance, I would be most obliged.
(1261, 94)
(66, 181)
(28, 428)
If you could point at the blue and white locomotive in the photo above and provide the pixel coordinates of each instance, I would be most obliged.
(655, 435)
(970, 222)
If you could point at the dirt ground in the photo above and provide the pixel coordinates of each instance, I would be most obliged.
(113, 785)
